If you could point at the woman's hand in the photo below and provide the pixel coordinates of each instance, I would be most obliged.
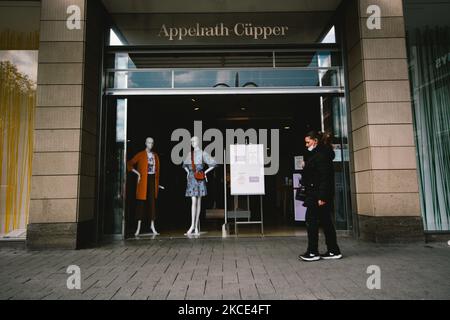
(321, 203)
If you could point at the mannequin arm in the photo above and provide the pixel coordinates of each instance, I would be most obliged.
(187, 172)
(132, 162)
(206, 171)
(138, 174)
(209, 169)
(209, 161)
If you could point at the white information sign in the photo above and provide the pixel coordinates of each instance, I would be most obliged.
(247, 169)
(299, 162)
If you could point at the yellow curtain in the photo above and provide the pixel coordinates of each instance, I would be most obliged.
(12, 40)
(19, 44)
(17, 104)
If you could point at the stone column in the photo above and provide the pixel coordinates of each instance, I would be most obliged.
(63, 188)
(385, 193)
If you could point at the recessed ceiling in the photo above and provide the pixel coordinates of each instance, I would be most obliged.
(216, 6)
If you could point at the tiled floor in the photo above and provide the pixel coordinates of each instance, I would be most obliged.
(230, 268)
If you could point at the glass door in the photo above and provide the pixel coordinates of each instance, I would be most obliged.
(114, 168)
(334, 120)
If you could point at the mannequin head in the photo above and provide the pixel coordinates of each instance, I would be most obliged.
(195, 141)
(149, 142)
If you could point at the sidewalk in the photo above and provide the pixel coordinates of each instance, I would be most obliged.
(244, 268)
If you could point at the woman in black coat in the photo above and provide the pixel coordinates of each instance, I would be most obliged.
(318, 179)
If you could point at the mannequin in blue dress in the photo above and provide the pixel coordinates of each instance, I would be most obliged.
(196, 189)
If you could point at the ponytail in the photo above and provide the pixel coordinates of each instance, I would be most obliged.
(327, 138)
(324, 138)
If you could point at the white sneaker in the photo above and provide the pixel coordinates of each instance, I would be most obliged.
(330, 255)
(309, 257)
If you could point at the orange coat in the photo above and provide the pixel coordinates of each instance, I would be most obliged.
(142, 166)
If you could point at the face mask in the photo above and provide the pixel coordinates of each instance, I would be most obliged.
(311, 148)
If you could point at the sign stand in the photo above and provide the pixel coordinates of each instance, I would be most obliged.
(236, 223)
(237, 213)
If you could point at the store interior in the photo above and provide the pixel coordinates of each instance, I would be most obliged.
(158, 116)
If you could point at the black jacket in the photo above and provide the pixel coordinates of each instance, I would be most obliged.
(318, 175)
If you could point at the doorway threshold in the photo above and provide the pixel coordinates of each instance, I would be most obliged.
(242, 232)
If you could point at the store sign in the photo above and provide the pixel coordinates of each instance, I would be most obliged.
(240, 29)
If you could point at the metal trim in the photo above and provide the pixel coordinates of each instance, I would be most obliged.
(219, 91)
(109, 70)
(220, 49)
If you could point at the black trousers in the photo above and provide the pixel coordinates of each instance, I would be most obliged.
(321, 216)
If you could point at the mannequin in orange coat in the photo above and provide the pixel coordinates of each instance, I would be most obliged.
(142, 160)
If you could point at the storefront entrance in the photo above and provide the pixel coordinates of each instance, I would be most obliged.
(135, 118)
(284, 92)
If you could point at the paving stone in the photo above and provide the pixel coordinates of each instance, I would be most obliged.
(226, 269)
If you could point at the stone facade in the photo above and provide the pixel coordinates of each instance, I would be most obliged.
(385, 187)
(63, 209)
(63, 191)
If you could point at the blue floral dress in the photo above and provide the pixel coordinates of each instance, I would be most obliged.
(202, 160)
